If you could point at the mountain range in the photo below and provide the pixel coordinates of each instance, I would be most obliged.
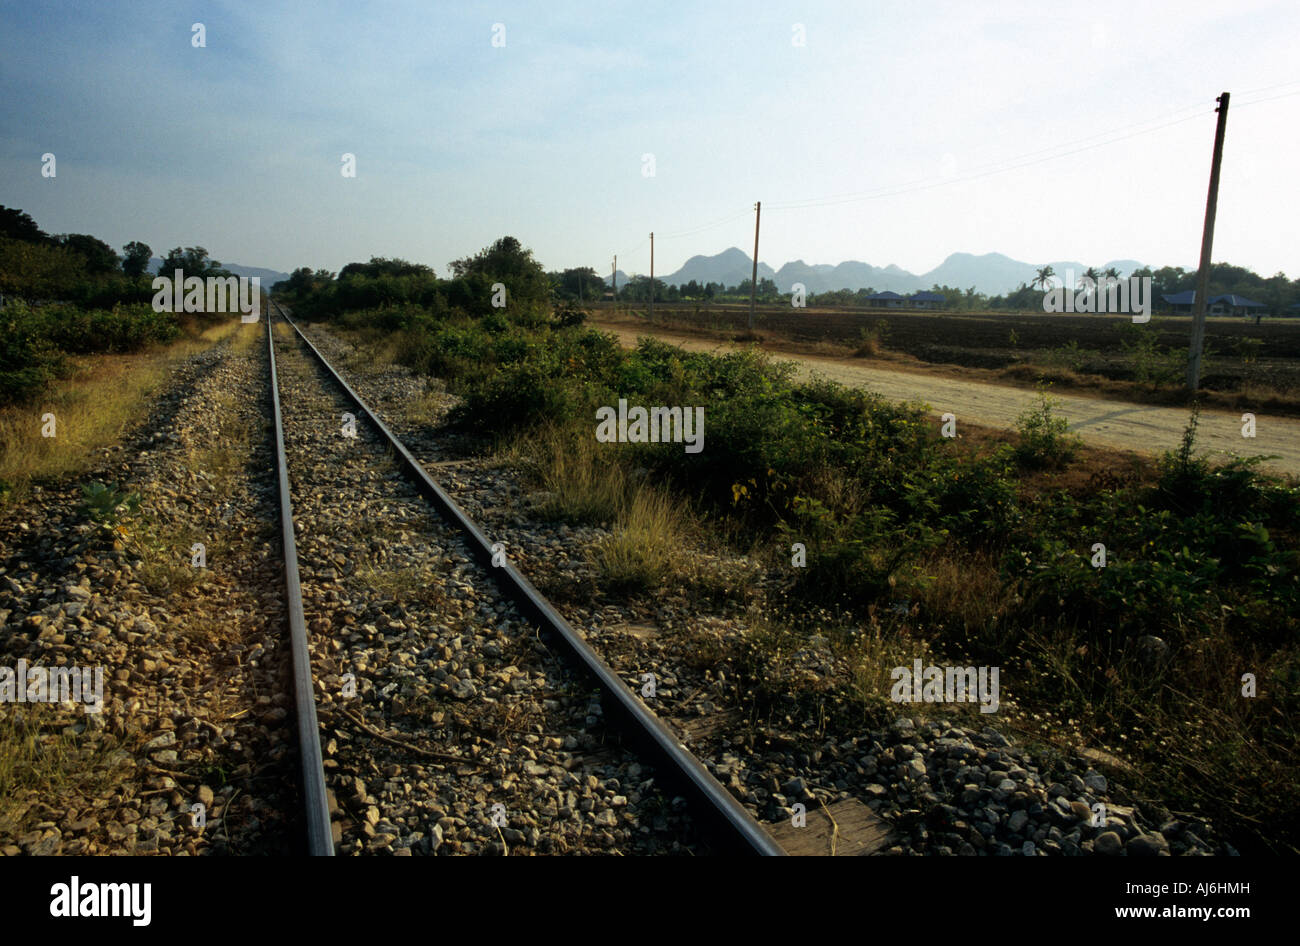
(269, 277)
(990, 273)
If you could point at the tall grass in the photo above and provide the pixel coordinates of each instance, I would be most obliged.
(647, 542)
(582, 483)
(104, 395)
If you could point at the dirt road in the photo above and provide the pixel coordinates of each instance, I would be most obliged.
(1140, 427)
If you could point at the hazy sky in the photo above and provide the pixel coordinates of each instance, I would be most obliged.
(238, 146)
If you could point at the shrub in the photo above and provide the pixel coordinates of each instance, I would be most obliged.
(109, 504)
(645, 544)
(1149, 363)
(28, 359)
(1044, 437)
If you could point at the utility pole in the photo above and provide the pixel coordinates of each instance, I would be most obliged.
(1207, 240)
(753, 282)
(613, 278)
(652, 277)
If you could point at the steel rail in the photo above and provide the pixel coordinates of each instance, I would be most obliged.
(320, 838)
(732, 825)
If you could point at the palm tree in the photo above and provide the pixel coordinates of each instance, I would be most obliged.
(1042, 277)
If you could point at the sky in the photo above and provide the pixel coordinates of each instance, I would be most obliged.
(883, 132)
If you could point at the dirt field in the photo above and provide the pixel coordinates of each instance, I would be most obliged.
(1257, 361)
(1142, 428)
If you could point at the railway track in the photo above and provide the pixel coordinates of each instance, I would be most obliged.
(461, 712)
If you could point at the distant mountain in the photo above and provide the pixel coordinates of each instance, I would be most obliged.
(730, 267)
(994, 273)
(991, 273)
(269, 277)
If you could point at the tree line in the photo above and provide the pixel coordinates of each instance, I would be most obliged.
(1277, 291)
(83, 269)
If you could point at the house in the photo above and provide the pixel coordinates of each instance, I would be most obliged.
(1180, 302)
(1227, 304)
(1232, 304)
(926, 300)
(888, 300)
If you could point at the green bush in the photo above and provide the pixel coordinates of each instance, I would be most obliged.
(28, 359)
(1044, 438)
(516, 396)
(34, 340)
(109, 504)
(1151, 364)
(868, 485)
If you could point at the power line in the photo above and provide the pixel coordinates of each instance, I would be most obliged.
(1016, 162)
(1271, 98)
(1269, 88)
(708, 226)
(999, 168)
(991, 166)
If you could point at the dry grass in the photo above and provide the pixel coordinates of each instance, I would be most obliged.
(425, 408)
(166, 555)
(871, 342)
(581, 481)
(648, 540)
(229, 447)
(966, 590)
(41, 756)
(401, 585)
(875, 654)
(584, 481)
(374, 348)
(105, 395)
(246, 336)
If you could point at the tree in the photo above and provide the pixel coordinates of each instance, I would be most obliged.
(192, 261)
(383, 266)
(638, 289)
(1277, 294)
(303, 281)
(135, 259)
(582, 283)
(38, 270)
(1023, 298)
(767, 290)
(506, 261)
(18, 225)
(99, 256)
(1043, 277)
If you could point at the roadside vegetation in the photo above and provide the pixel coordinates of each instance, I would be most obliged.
(984, 552)
(80, 340)
(1244, 366)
